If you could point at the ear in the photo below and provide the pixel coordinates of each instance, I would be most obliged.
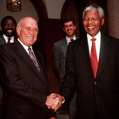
(64, 29)
(75, 27)
(103, 20)
(18, 31)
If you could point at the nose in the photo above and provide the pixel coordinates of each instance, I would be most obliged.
(32, 32)
(9, 26)
(90, 21)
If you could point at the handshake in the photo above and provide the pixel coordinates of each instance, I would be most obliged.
(54, 101)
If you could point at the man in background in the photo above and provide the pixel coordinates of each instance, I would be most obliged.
(8, 28)
(23, 73)
(59, 57)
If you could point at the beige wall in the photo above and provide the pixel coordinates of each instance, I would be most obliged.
(113, 18)
(27, 10)
(54, 8)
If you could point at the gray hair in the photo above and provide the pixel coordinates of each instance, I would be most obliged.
(19, 25)
(94, 7)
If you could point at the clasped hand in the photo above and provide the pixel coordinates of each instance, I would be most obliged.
(54, 101)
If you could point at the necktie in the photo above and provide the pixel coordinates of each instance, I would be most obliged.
(71, 40)
(33, 58)
(94, 60)
(9, 40)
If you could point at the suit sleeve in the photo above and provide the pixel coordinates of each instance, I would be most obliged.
(56, 58)
(69, 82)
(50, 113)
(15, 84)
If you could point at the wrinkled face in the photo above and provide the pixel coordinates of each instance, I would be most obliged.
(92, 22)
(9, 27)
(69, 29)
(28, 31)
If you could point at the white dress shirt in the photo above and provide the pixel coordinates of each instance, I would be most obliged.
(97, 43)
(26, 47)
(69, 40)
(6, 38)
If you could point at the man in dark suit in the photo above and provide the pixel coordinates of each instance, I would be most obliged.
(97, 84)
(8, 27)
(24, 77)
(59, 57)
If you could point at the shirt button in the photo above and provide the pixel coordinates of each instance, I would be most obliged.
(95, 82)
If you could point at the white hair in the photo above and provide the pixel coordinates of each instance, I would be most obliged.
(19, 25)
(94, 7)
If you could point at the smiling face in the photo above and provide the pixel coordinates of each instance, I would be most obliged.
(28, 31)
(9, 27)
(69, 29)
(92, 22)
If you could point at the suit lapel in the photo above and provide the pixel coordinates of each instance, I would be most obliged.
(26, 57)
(2, 40)
(104, 53)
(64, 47)
(41, 67)
(84, 53)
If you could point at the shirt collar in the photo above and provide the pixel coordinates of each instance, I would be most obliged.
(68, 39)
(24, 46)
(97, 37)
(6, 38)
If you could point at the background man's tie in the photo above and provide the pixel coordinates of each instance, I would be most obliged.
(33, 58)
(94, 60)
(9, 40)
(71, 40)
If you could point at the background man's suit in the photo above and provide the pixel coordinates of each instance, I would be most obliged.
(23, 84)
(2, 41)
(59, 53)
(100, 95)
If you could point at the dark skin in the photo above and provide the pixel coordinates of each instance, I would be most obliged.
(9, 27)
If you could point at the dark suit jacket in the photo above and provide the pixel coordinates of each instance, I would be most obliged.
(100, 95)
(59, 57)
(2, 41)
(25, 91)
